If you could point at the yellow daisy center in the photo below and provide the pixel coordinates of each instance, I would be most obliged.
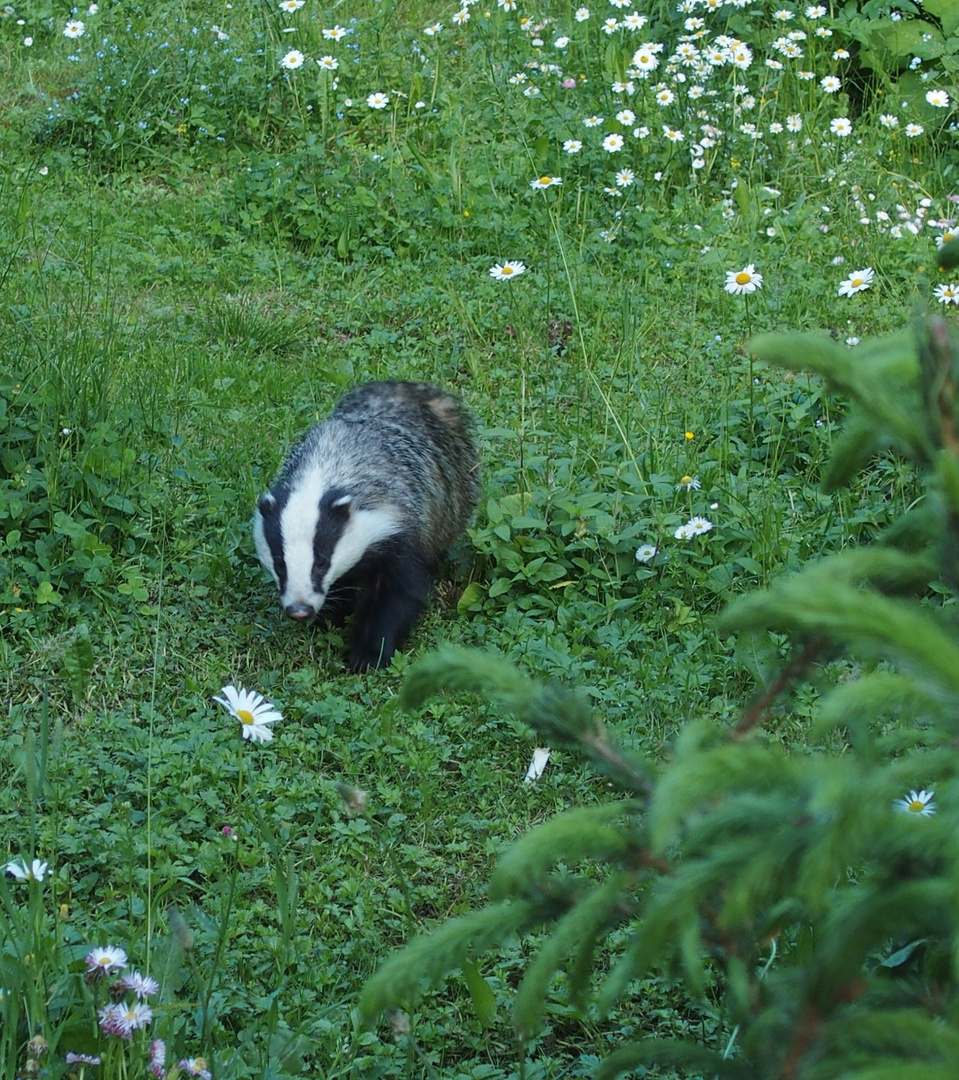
(742, 278)
(545, 180)
(685, 480)
(245, 716)
(856, 282)
(916, 806)
(508, 270)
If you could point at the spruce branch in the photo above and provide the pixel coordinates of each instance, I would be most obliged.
(758, 712)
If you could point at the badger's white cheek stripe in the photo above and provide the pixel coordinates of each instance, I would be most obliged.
(364, 529)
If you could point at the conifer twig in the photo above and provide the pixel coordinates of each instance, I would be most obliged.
(756, 714)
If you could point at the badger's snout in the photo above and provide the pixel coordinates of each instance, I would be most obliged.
(300, 612)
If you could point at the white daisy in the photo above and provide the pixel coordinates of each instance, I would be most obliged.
(743, 282)
(506, 270)
(917, 802)
(74, 29)
(377, 101)
(858, 281)
(34, 872)
(252, 710)
(646, 553)
(645, 60)
(293, 59)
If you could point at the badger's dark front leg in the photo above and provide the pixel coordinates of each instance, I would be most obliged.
(397, 593)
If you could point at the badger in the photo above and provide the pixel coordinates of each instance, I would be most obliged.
(364, 509)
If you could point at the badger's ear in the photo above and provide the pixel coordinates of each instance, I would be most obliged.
(344, 502)
(266, 503)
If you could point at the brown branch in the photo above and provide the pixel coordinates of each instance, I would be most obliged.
(756, 714)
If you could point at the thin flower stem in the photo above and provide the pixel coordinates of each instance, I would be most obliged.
(627, 444)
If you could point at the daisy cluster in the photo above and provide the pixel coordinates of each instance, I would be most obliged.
(701, 100)
(749, 280)
(695, 526)
(180, 77)
(295, 59)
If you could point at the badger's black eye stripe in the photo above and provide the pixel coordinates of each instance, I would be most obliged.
(273, 535)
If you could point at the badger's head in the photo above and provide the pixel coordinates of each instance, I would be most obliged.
(308, 542)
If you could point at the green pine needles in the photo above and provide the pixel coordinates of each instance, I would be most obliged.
(819, 889)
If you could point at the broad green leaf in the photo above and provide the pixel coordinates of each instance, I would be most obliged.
(483, 998)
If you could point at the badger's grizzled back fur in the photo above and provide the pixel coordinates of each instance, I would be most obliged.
(364, 508)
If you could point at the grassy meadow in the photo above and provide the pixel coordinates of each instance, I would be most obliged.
(216, 218)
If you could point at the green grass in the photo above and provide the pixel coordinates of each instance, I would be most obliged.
(198, 255)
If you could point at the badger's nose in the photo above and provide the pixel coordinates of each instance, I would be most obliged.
(299, 611)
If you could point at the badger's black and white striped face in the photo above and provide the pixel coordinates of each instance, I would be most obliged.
(309, 536)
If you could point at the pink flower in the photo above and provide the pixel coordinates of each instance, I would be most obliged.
(122, 1020)
(105, 961)
(157, 1057)
(142, 986)
(568, 84)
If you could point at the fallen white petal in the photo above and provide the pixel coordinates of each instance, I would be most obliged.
(537, 766)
